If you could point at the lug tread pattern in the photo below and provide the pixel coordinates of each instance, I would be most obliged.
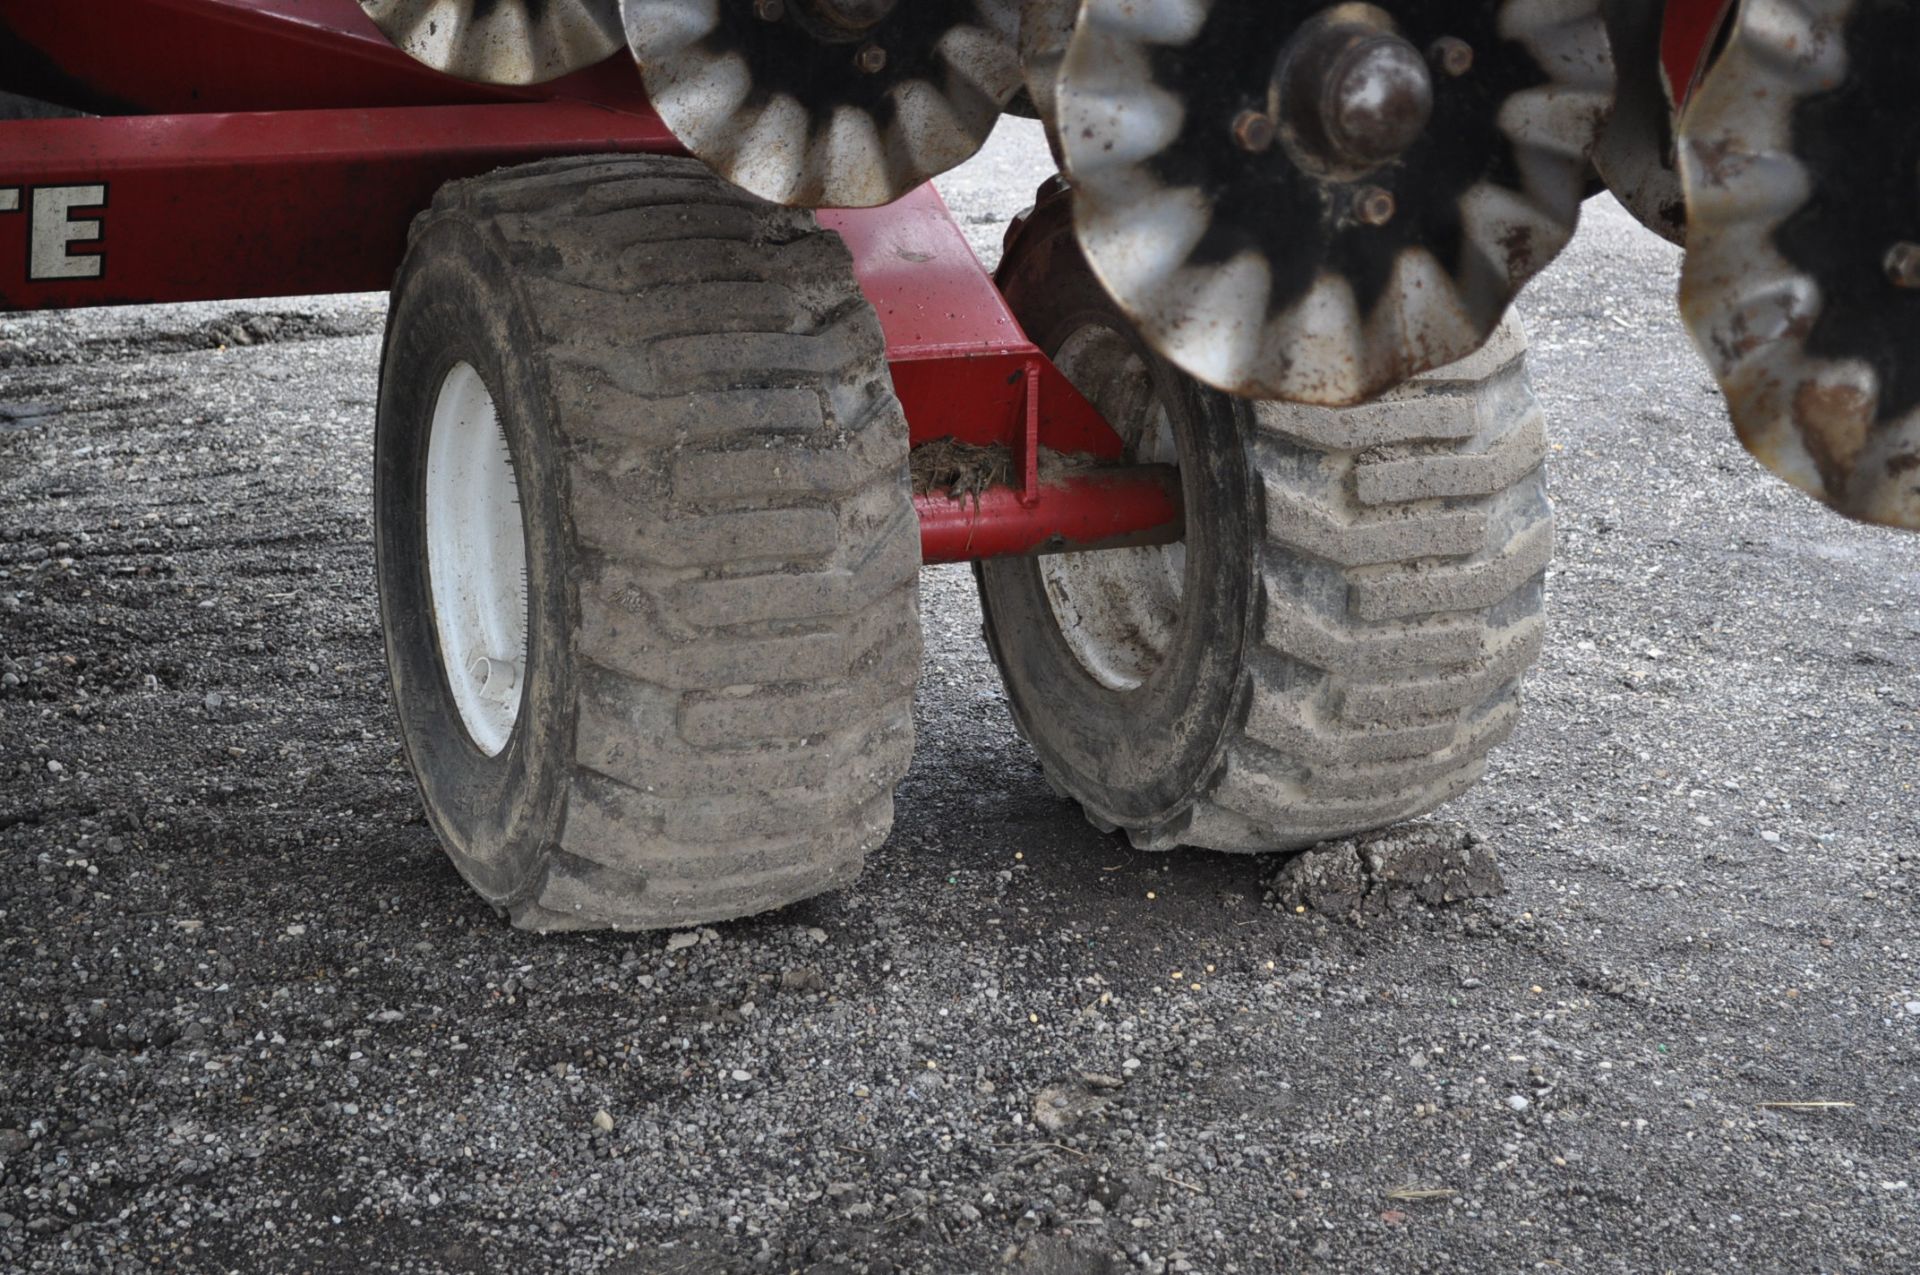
(1396, 476)
(1407, 540)
(748, 633)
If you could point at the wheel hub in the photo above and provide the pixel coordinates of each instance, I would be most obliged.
(1119, 610)
(854, 15)
(476, 560)
(1352, 94)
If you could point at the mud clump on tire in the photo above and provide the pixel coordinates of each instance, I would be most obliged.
(1390, 871)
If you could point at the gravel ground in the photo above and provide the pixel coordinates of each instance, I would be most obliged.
(251, 1020)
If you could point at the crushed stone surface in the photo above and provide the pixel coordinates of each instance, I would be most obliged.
(251, 1020)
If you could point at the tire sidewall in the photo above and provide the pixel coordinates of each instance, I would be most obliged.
(1135, 757)
(453, 302)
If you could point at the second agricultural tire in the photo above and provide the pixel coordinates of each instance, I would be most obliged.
(647, 552)
(1340, 638)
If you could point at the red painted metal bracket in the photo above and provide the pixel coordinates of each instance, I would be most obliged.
(961, 364)
(1026, 452)
(964, 369)
(1114, 508)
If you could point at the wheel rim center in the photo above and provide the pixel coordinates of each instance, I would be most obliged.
(476, 560)
(1119, 611)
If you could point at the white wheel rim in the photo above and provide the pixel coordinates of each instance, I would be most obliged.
(476, 560)
(1119, 609)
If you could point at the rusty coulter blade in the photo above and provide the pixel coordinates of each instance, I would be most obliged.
(828, 103)
(1316, 202)
(502, 41)
(1802, 278)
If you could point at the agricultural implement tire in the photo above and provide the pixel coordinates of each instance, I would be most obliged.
(1340, 638)
(647, 553)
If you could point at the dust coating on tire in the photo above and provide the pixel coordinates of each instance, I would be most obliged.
(1360, 593)
(722, 558)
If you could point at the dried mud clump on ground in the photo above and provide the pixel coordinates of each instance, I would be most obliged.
(1389, 871)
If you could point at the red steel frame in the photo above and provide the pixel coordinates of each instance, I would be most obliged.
(1688, 31)
(258, 148)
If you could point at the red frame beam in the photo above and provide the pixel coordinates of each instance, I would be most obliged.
(287, 203)
(1101, 509)
(1687, 35)
(961, 364)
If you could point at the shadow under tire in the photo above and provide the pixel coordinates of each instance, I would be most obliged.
(708, 697)
(1340, 638)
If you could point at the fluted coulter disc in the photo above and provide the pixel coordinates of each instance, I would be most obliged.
(1046, 28)
(828, 103)
(502, 41)
(1635, 153)
(1315, 202)
(1800, 154)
